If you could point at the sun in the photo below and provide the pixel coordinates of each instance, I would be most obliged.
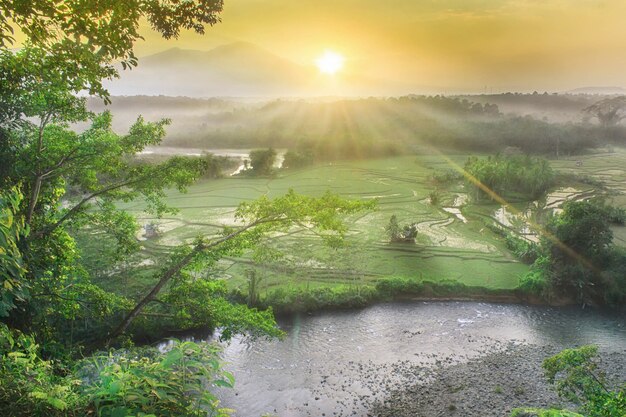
(330, 62)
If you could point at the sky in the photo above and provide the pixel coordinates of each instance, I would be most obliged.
(447, 45)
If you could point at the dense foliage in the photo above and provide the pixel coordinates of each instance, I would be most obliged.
(262, 161)
(577, 257)
(377, 127)
(12, 231)
(523, 176)
(130, 382)
(59, 182)
(575, 375)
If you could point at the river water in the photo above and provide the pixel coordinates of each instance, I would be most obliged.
(329, 360)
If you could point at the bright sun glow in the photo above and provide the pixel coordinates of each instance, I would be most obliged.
(330, 62)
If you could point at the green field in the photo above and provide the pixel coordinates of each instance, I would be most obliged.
(447, 247)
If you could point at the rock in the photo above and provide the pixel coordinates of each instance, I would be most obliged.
(491, 386)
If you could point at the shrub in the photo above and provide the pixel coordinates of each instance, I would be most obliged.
(299, 299)
(525, 250)
(445, 177)
(530, 177)
(434, 197)
(137, 382)
(144, 382)
(29, 385)
(390, 287)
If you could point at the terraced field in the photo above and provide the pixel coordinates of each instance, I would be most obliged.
(453, 242)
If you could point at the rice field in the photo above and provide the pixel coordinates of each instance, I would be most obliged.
(453, 241)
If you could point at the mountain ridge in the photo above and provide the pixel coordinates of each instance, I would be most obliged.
(234, 69)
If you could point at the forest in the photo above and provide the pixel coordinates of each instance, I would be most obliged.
(361, 128)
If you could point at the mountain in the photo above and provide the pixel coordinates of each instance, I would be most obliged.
(598, 90)
(238, 69)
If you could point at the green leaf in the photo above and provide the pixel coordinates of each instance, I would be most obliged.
(115, 387)
(222, 383)
(57, 403)
(172, 357)
(39, 395)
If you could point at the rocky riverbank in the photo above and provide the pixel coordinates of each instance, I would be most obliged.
(491, 385)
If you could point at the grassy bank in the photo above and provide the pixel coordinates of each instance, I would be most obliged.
(285, 301)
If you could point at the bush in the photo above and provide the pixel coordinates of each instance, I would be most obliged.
(525, 250)
(137, 382)
(533, 282)
(300, 300)
(617, 215)
(391, 287)
(29, 385)
(435, 197)
(445, 177)
(145, 382)
(530, 177)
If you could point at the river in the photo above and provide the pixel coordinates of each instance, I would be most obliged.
(327, 360)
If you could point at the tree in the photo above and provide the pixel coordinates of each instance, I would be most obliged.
(393, 228)
(609, 111)
(528, 176)
(64, 175)
(577, 256)
(406, 234)
(581, 251)
(72, 46)
(298, 159)
(12, 231)
(576, 377)
(262, 161)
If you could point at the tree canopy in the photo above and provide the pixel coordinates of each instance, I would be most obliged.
(609, 111)
(577, 256)
(577, 378)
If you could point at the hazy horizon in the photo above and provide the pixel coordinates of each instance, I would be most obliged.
(245, 70)
(397, 48)
(451, 46)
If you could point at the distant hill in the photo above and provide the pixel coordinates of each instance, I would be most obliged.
(239, 69)
(598, 90)
(236, 69)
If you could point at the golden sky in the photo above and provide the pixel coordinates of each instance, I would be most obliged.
(441, 45)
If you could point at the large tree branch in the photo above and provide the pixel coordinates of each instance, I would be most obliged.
(36, 186)
(87, 199)
(177, 267)
(64, 160)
